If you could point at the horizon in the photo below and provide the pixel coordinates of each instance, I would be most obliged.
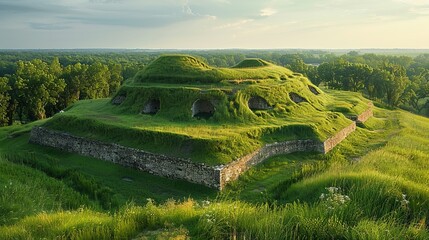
(220, 49)
(214, 24)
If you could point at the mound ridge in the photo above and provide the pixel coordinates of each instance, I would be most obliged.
(180, 69)
(252, 63)
(173, 68)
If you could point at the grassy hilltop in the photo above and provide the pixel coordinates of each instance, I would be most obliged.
(188, 69)
(233, 130)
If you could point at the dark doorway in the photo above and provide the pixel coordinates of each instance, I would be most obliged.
(202, 109)
(258, 103)
(152, 106)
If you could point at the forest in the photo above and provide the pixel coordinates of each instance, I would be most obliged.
(36, 84)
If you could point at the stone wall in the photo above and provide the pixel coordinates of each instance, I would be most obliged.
(158, 164)
(153, 163)
(366, 114)
(233, 170)
(331, 142)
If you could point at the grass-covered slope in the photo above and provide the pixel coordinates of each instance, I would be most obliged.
(373, 186)
(233, 130)
(252, 63)
(188, 69)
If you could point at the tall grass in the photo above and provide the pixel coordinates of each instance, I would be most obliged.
(72, 178)
(25, 191)
(213, 220)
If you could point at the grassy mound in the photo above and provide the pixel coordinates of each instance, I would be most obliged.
(244, 114)
(233, 131)
(188, 69)
(252, 63)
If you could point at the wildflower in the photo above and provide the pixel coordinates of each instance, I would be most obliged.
(333, 198)
(404, 201)
(205, 203)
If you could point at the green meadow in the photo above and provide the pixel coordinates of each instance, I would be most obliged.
(374, 185)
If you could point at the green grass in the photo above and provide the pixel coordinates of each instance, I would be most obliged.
(123, 184)
(188, 69)
(384, 159)
(252, 63)
(25, 191)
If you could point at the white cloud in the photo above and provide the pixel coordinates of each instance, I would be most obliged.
(414, 2)
(420, 11)
(235, 24)
(266, 12)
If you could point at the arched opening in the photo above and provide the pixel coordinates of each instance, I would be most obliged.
(152, 106)
(258, 103)
(313, 90)
(118, 100)
(202, 109)
(296, 98)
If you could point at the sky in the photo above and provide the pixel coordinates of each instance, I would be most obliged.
(214, 24)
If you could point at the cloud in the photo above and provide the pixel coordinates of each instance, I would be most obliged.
(186, 9)
(236, 24)
(7, 9)
(420, 10)
(49, 26)
(50, 14)
(414, 2)
(266, 12)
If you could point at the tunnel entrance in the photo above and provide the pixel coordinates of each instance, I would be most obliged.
(296, 98)
(202, 109)
(258, 103)
(313, 90)
(152, 106)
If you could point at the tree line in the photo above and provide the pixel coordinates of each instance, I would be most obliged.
(35, 84)
(39, 89)
(397, 81)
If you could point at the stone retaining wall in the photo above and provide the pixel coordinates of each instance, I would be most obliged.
(233, 170)
(153, 163)
(158, 164)
(361, 118)
(331, 142)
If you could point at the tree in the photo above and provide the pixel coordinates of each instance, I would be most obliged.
(96, 82)
(395, 83)
(73, 76)
(4, 100)
(418, 90)
(115, 77)
(331, 73)
(354, 76)
(374, 84)
(35, 86)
